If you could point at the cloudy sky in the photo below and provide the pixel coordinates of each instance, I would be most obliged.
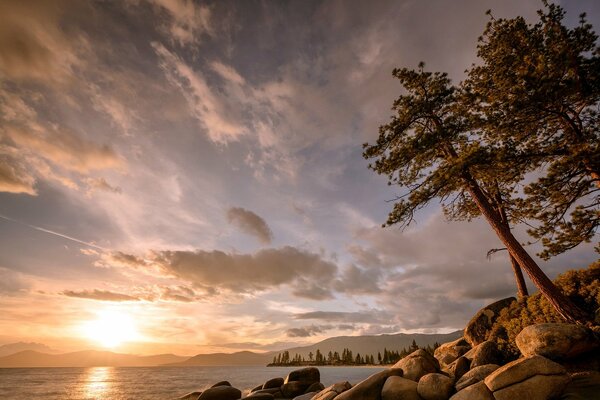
(196, 168)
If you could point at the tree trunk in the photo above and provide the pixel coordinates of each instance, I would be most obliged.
(521, 285)
(563, 305)
(518, 272)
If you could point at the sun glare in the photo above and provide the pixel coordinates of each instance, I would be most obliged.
(111, 329)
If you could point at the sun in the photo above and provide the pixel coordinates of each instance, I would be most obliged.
(111, 328)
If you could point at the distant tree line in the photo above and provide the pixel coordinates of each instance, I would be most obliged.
(347, 357)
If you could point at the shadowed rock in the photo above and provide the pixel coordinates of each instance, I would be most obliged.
(370, 388)
(478, 329)
(435, 387)
(417, 364)
(399, 388)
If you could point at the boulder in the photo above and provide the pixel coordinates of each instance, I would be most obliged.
(520, 370)
(449, 352)
(332, 391)
(484, 353)
(273, 383)
(477, 391)
(260, 396)
(435, 387)
(315, 387)
(399, 388)
(309, 374)
(306, 396)
(475, 375)
(370, 388)
(538, 387)
(584, 362)
(254, 389)
(417, 364)
(478, 329)
(556, 341)
(459, 367)
(583, 386)
(221, 393)
(221, 383)
(272, 391)
(294, 388)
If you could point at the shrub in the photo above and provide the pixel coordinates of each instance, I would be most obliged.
(581, 286)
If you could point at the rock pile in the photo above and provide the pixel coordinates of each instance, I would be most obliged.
(559, 361)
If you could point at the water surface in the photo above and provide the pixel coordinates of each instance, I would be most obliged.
(146, 383)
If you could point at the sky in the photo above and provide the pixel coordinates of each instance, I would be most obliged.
(190, 174)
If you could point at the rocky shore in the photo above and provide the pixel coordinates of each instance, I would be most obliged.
(557, 361)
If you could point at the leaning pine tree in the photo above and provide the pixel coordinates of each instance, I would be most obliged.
(431, 149)
(537, 92)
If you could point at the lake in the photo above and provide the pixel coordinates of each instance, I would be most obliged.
(146, 383)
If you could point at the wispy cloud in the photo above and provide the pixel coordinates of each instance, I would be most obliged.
(101, 295)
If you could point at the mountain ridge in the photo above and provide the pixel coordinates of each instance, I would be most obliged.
(365, 345)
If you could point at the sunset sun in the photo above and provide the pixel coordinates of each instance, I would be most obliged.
(111, 328)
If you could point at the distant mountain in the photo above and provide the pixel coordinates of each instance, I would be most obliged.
(88, 358)
(239, 358)
(12, 348)
(366, 345)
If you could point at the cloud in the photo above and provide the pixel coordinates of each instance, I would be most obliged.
(250, 223)
(101, 295)
(12, 282)
(94, 184)
(32, 43)
(14, 176)
(188, 21)
(206, 106)
(307, 331)
(371, 316)
(215, 271)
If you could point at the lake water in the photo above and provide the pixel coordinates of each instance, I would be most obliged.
(146, 383)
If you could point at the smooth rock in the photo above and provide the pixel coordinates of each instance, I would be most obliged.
(448, 352)
(435, 387)
(417, 364)
(583, 386)
(309, 374)
(221, 393)
(522, 369)
(221, 383)
(260, 396)
(315, 387)
(399, 388)
(273, 383)
(475, 375)
(254, 389)
(332, 391)
(370, 388)
(556, 341)
(484, 353)
(272, 391)
(294, 388)
(538, 387)
(459, 367)
(478, 329)
(306, 396)
(477, 391)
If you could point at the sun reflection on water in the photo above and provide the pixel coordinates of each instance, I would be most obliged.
(98, 382)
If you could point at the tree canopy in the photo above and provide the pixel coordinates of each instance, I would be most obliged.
(525, 113)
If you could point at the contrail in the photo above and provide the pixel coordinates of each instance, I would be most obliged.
(37, 228)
